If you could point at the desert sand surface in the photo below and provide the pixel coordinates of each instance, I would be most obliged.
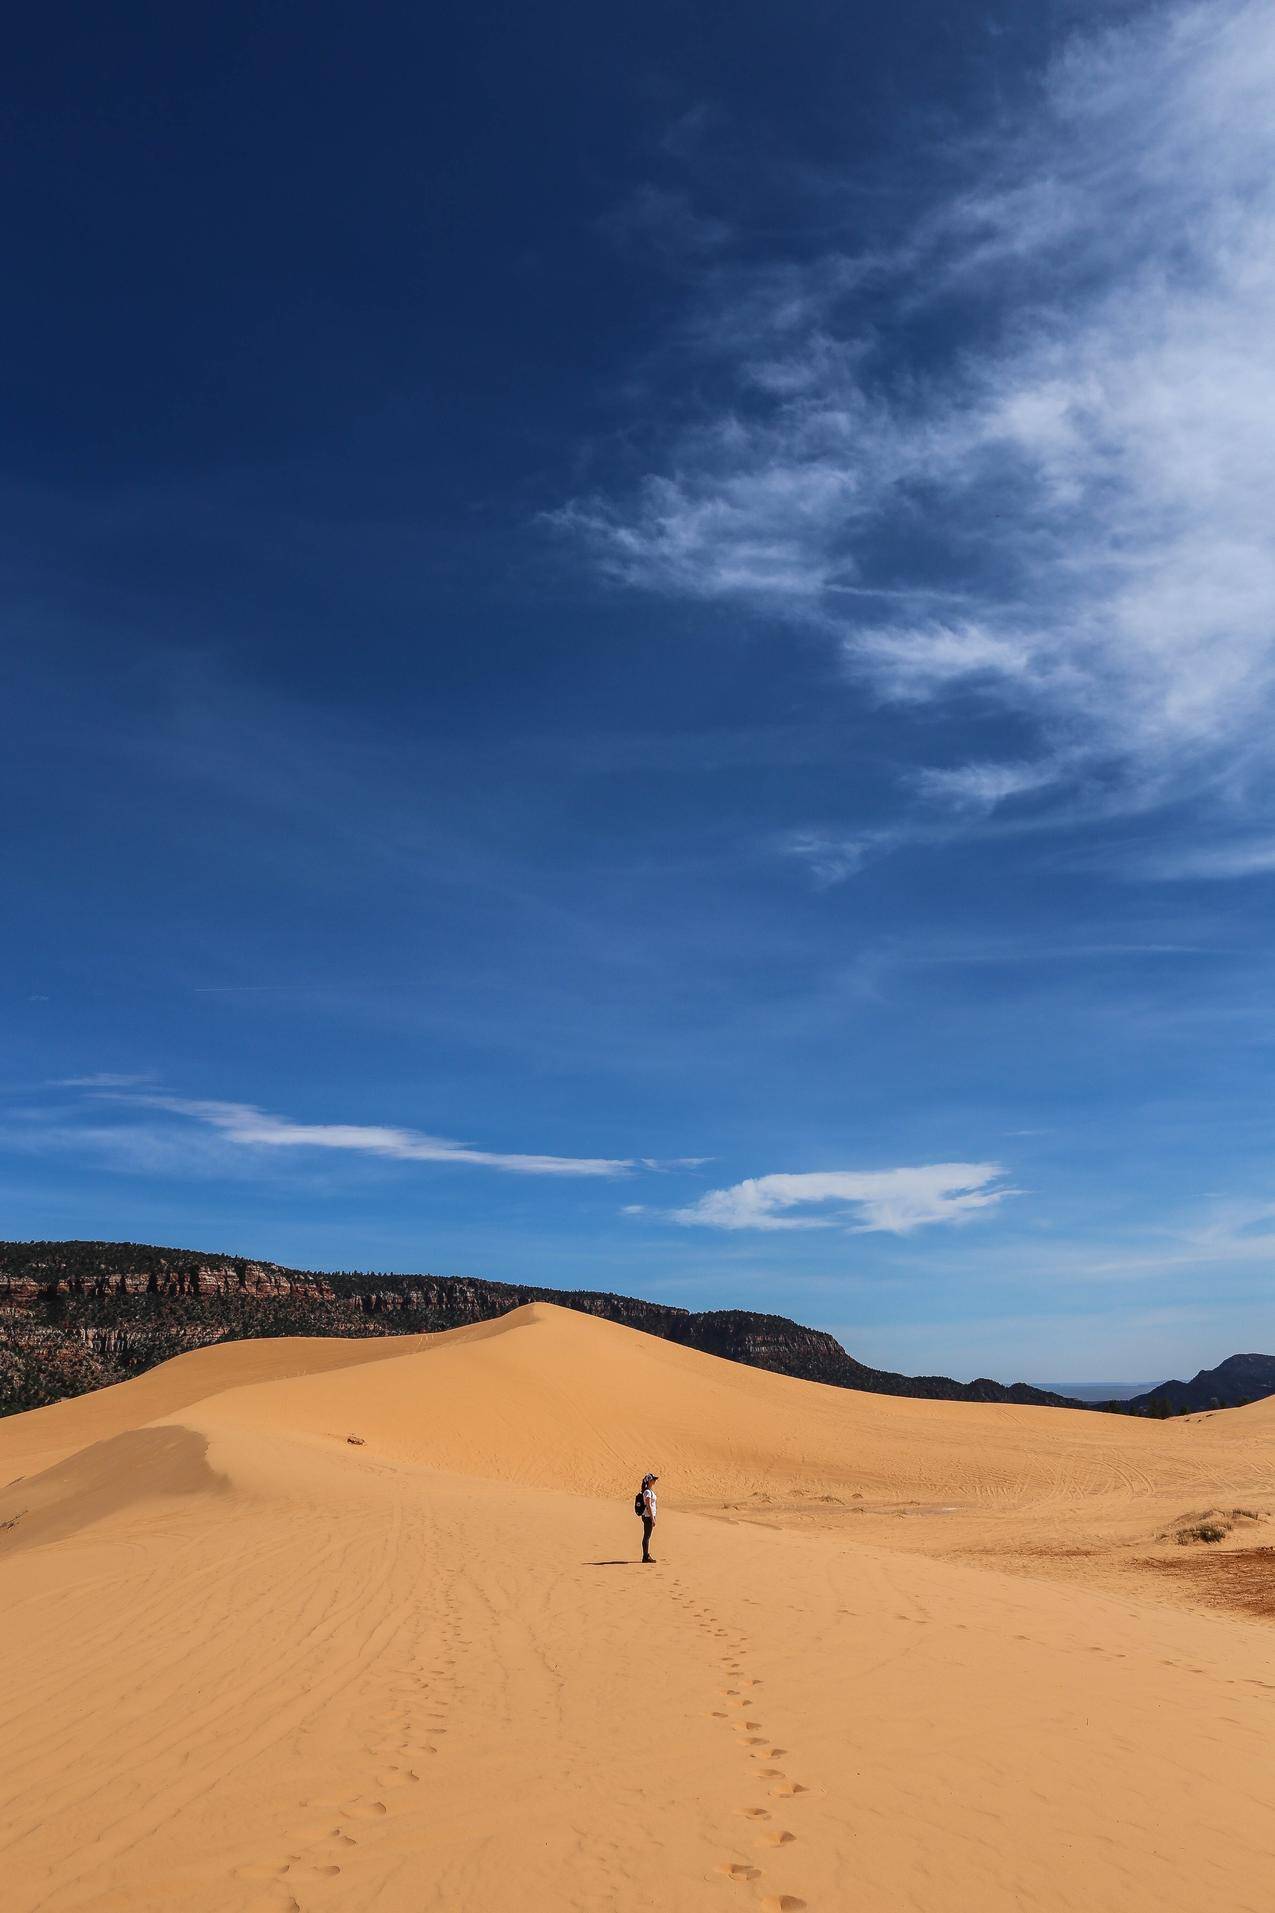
(894, 1654)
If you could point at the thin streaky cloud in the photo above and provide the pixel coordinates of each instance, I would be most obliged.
(829, 857)
(669, 1165)
(1250, 857)
(104, 1079)
(979, 788)
(254, 1128)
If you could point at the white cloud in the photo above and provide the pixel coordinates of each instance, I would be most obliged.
(663, 221)
(895, 1201)
(104, 1079)
(830, 858)
(1093, 474)
(979, 788)
(255, 1128)
(1228, 1231)
(668, 1165)
(1246, 857)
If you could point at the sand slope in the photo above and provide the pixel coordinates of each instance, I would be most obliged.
(247, 1664)
(45, 1435)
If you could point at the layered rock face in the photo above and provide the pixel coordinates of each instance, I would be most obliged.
(80, 1315)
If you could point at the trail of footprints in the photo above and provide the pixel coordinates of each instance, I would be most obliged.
(739, 1697)
(401, 1731)
(405, 1727)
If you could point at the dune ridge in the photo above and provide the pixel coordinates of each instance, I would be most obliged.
(64, 1305)
(895, 1653)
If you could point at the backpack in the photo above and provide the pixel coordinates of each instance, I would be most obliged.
(639, 1502)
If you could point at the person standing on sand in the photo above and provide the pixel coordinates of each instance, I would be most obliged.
(647, 1499)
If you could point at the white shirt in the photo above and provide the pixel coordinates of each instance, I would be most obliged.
(648, 1497)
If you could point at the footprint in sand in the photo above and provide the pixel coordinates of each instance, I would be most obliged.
(755, 1813)
(782, 1903)
(742, 1874)
(776, 1837)
(787, 1788)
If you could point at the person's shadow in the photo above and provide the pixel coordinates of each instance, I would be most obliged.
(612, 1564)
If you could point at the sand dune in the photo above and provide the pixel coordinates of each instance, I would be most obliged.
(895, 1654)
(36, 1440)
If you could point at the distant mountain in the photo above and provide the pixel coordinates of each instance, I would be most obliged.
(1097, 1391)
(79, 1315)
(1237, 1380)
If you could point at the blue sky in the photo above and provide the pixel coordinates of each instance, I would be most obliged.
(640, 656)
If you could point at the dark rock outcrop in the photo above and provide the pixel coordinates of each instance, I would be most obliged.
(80, 1315)
(1233, 1383)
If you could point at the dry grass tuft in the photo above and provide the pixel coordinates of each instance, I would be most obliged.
(1209, 1524)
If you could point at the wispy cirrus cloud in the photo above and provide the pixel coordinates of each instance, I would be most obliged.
(828, 857)
(1085, 480)
(664, 222)
(105, 1079)
(1227, 1231)
(895, 1201)
(1241, 857)
(669, 1165)
(252, 1128)
(979, 788)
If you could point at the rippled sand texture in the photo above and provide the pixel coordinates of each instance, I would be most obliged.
(894, 1654)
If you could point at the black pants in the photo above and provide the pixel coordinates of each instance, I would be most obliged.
(648, 1522)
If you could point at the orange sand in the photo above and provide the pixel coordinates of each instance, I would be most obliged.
(895, 1654)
